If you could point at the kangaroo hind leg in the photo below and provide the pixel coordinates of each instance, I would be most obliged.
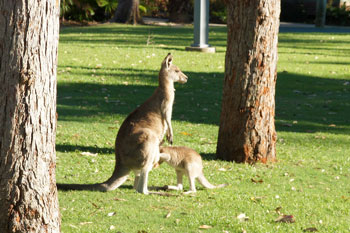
(119, 176)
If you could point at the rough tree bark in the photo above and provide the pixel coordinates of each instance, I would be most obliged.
(127, 12)
(28, 58)
(247, 127)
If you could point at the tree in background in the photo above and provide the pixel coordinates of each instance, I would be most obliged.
(247, 125)
(180, 11)
(28, 60)
(321, 8)
(127, 12)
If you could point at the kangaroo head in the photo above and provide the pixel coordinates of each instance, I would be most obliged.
(171, 71)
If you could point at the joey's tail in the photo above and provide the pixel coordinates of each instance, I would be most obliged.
(203, 181)
(118, 178)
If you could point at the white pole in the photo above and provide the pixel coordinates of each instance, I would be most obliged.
(201, 27)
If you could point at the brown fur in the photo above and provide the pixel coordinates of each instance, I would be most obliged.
(138, 139)
(186, 161)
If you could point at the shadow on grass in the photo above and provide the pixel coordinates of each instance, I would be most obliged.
(196, 101)
(312, 104)
(208, 156)
(92, 149)
(303, 103)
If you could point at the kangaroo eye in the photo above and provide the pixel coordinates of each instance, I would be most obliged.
(177, 71)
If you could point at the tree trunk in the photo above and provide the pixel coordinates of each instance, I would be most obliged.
(127, 12)
(321, 8)
(247, 127)
(28, 60)
(180, 11)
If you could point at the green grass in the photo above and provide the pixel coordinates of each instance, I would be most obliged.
(106, 71)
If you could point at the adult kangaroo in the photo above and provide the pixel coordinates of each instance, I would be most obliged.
(139, 137)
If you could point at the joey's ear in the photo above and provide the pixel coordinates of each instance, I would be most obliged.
(168, 60)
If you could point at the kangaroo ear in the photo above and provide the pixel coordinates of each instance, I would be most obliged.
(168, 60)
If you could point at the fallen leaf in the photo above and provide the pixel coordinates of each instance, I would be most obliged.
(332, 125)
(111, 214)
(177, 221)
(185, 133)
(95, 205)
(84, 223)
(242, 217)
(285, 218)
(98, 66)
(119, 199)
(168, 215)
(256, 181)
(278, 210)
(256, 199)
(205, 227)
(310, 229)
(89, 154)
(112, 227)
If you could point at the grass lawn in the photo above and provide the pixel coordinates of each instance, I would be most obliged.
(105, 71)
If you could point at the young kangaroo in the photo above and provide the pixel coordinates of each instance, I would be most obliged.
(138, 139)
(186, 162)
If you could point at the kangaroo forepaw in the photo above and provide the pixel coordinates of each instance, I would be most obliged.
(170, 139)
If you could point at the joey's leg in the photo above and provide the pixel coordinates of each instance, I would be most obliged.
(179, 175)
(164, 157)
(179, 182)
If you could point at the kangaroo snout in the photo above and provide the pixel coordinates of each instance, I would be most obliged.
(183, 78)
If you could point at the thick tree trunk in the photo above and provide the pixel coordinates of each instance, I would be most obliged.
(247, 127)
(127, 12)
(28, 58)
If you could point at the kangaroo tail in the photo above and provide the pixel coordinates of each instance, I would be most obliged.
(203, 181)
(118, 178)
